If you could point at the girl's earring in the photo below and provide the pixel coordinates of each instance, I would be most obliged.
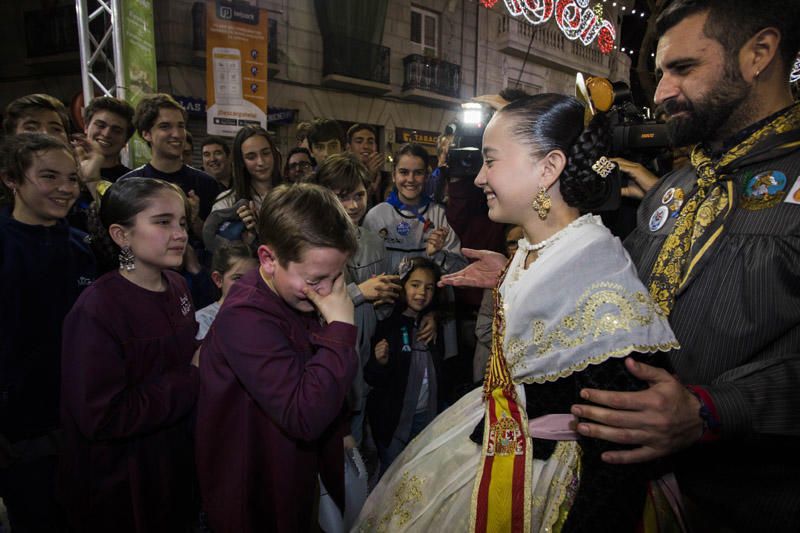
(127, 261)
(541, 203)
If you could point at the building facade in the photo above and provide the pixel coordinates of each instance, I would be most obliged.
(403, 67)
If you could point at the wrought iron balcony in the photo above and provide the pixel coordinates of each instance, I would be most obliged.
(433, 75)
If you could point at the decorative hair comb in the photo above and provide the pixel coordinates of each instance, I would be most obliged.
(404, 267)
(603, 167)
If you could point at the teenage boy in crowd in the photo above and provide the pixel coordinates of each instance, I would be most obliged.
(368, 284)
(37, 113)
(325, 139)
(362, 142)
(274, 371)
(216, 155)
(109, 124)
(161, 121)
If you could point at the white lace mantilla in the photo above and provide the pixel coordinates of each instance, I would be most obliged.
(579, 303)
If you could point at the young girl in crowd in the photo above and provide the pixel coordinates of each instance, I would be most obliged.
(412, 225)
(228, 264)
(255, 170)
(403, 371)
(130, 379)
(44, 266)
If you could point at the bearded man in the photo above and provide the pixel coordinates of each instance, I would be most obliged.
(721, 256)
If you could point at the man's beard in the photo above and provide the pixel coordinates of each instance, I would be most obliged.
(715, 116)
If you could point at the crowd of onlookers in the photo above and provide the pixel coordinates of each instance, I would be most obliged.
(115, 381)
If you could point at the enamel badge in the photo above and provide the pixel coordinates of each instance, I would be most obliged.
(659, 218)
(669, 194)
(764, 190)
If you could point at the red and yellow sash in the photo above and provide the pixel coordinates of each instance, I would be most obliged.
(501, 497)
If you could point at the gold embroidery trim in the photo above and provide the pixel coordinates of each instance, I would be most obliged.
(603, 309)
(566, 489)
(406, 495)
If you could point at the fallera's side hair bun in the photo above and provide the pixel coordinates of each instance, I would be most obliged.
(581, 186)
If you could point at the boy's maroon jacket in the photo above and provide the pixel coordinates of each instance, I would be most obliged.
(270, 411)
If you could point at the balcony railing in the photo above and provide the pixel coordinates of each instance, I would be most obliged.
(345, 56)
(549, 46)
(429, 74)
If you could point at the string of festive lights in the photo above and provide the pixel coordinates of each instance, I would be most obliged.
(574, 18)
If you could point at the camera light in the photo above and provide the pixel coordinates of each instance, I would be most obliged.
(471, 114)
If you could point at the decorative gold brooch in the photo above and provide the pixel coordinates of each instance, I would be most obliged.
(603, 166)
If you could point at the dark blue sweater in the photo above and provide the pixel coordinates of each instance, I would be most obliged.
(42, 272)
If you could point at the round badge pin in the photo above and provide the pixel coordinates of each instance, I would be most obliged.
(675, 208)
(403, 228)
(669, 194)
(659, 218)
(764, 190)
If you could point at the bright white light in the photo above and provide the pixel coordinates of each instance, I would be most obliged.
(623, 48)
(614, 4)
(642, 14)
(471, 113)
(623, 8)
(633, 11)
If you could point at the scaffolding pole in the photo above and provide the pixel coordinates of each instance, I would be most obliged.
(93, 54)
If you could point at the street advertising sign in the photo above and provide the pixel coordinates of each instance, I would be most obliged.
(236, 66)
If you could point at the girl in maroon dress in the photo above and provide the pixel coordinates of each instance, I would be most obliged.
(128, 381)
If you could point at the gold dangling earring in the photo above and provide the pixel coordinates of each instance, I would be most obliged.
(541, 203)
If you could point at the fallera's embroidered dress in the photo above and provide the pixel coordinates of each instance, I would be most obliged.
(579, 308)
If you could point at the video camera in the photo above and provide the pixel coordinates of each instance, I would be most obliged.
(635, 133)
(464, 158)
